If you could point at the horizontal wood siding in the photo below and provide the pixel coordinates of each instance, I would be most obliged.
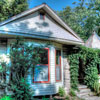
(33, 25)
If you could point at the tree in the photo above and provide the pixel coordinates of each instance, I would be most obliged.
(9, 8)
(24, 57)
(83, 18)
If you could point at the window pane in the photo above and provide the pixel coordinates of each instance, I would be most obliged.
(58, 73)
(41, 73)
(44, 57)
(58, 65)
(58, 54)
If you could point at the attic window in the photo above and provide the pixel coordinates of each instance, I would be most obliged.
(42, 15)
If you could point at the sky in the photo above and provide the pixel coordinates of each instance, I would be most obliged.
(56, 5)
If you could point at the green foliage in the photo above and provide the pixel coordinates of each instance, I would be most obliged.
(91, 76)
(72, 93)
(90, 58)
(91, 72)
(44, 98)
(61, 92)
(9, 8)
(83, 18)
(73, 58)
(22, 91)
(67, 98)
(74, 62)
(23, 58)
(97, 88)
(6, 98)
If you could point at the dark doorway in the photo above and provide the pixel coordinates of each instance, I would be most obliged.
(81, 71)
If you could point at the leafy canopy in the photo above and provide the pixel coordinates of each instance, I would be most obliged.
(83, 18)
(9, 8)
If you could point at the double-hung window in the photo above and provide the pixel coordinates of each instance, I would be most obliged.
(41, 71)
(58, 65)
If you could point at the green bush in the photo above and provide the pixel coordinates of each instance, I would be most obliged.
(90, 58)
(73, 58)
(44, 98)
(91, 76)
(72, 93)
(61, 91)
(67, 98)
(23, 58)
(22, 91)
(97, 88)
(6, 98)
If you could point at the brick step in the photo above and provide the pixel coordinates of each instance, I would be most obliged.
(82, 87)
(84, 90)
(82, 95)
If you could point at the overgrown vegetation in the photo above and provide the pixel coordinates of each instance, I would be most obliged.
(6, 98)
(23, 57)
(72, 93)
(9, 8)
(97, 88)
(61, 91)
(90, 58)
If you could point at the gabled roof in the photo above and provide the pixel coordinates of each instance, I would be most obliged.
(51, 13)
(93, 41)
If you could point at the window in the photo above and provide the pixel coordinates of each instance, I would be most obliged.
(58, 65)
(41, 71)
(42, 15)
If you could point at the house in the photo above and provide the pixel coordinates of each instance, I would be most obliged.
(93, 41)
(41, 25)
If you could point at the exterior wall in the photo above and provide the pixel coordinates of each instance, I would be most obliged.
(66, 72)
(96, 42)
(33, 25)
(44, 88)
(93, 41)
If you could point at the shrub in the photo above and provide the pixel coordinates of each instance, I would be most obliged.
(44, 98)
(72, 93)
(61, 91)
(23, 58)
(91, 76)
(97, 88)
(90, 58)
(22, 91)
(6, 98)
(67, 98)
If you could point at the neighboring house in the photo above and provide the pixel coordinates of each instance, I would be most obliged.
(93, 41)
(41, 25)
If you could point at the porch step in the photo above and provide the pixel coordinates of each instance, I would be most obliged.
(84, 92)
(82, 87)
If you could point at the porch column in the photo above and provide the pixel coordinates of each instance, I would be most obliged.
(66, 73)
